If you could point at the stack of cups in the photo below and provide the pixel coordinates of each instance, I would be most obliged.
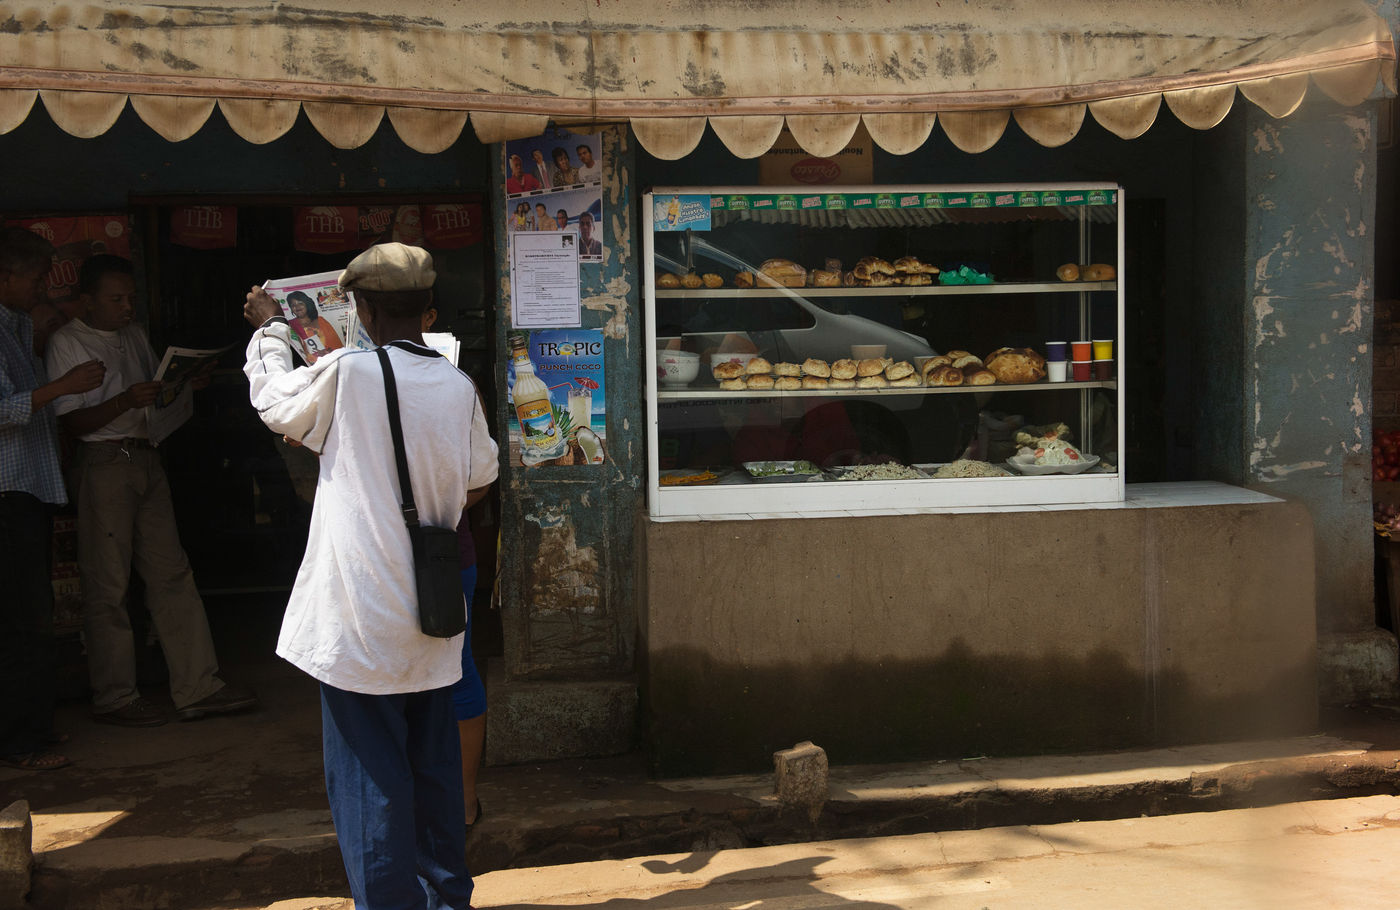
(1056, 353)
(1103, 358)
(1082, 364)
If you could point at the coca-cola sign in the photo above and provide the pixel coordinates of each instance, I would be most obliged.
(816, 170)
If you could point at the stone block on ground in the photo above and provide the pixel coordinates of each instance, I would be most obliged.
(802, 778)
(16, 854)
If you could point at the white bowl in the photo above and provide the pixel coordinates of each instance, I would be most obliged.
(867, 351)
(677, 368)
(736, 357)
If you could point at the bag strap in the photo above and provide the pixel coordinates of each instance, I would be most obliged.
(391, 395)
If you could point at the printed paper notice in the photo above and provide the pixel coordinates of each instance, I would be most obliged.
(544, 280)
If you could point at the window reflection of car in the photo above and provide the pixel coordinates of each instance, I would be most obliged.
(787, 325)
(784, 322)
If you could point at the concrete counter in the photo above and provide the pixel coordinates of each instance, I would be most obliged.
(1184, 614)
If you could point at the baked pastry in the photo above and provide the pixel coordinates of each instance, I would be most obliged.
(1016, 365)
(876, 281)
(783, 272)
(1067, 272)
(733, 385)
(945, 376)
(692, 281)
(870, 366)
(870, 266)
(743, 280)
(787, 383)
(727, 370)
(848, 279)
(841, 384)
(814, 367)
(979, 376)
(843, 369)
(908, 382)
(760, 383)
(966, 361)
(911, 265)
(813, 382)
(914, 279)
(872, 382)
(787, 369)
(954, 355)
(899, 370)
(757, 366)
(824, 278)
(1098, 272)
(712, 280)
(668, 280)
(832, 265)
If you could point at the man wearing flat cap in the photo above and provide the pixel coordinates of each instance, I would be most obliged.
(393, 766)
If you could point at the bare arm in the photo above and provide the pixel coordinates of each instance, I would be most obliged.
(85, 420)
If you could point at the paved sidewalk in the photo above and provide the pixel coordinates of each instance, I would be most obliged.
(231, 811)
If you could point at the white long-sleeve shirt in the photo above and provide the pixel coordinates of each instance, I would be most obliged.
(352, 621)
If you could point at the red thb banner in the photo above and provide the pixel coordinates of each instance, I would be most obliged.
(347, 228)
(204, 227)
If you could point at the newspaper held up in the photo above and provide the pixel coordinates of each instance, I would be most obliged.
(175, 403)
(318, 310)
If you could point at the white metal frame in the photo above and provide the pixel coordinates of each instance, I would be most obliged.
(768, 499)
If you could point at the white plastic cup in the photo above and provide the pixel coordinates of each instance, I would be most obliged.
(1055, 369)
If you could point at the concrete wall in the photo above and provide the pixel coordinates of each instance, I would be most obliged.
(945, 636)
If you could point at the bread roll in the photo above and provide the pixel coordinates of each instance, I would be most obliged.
(945, 376)
(1018, 365)
(908, 382)
(911, 265)
(848, 279)
(668, 280)
(876, 281)
(872, 382)
(783, 272)
(760, 383)
(728, 370)
(822, 278)
(1099, 272)
(843, 369)
(787, 383)
(966, 361)
(899, 370)
(871, 366)
(1067, 272)
(743, 280)
(692, 281)
(955, 354)
(813, 382)
(712, 280)
(787, 369)
(841, 384)
(979, 376)
(758, 366)
(914, 280)
(733, 385)
(814, 367)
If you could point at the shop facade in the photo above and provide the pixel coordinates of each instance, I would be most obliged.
(1248, 269)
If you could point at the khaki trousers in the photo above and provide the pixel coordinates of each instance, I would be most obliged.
(125, 518)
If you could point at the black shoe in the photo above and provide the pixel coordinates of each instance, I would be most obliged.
(225, 701)
(136, 713)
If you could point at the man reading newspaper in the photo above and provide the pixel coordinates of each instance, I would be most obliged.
(393, 766)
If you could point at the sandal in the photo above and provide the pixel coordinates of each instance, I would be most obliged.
(39, 760)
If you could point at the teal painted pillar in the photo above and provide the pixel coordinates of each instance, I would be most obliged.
(566, 687)
(1310, 198)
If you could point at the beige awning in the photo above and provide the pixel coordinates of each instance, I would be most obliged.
(743, 68)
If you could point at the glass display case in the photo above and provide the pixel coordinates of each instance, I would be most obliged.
(883, 349)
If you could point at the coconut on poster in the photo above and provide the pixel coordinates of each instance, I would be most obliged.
(557, 170)
(569, 362)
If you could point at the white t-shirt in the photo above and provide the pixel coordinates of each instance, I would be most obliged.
(352, 621)
(129, 359)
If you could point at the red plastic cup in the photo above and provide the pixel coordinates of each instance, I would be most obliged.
(1083, 370)
(1082, 350)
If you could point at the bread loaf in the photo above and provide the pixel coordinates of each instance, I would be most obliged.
(979, 376)
(668, 280)
(813, 382)
(733, 385)
(822, 278)
(1099, 272)
(787, 383)
(757, 366)
(784, 272)
(814, 367)
(1018, 365)
(787, 369)
(692, 281)
(712, 280)
(1068, 272)
(870, 366)
(872, 382)
(843, 369)
(841, 384)
(908, 382)
(899, 370)
(760, 383)
(727, 369)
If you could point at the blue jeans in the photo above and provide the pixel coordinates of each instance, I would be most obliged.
(394, 778)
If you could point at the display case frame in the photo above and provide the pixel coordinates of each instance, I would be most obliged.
(873, 497)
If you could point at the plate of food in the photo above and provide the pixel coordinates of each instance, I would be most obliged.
(692, 477)
(782, 471)
(964, 468)
(1029, 463)
(888, 471)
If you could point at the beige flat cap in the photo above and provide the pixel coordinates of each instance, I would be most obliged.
(390, 267)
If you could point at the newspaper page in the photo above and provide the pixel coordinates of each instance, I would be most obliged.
(318, 310)
(445, 343)
(175, 403)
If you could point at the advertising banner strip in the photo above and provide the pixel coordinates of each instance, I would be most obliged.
(971, 199)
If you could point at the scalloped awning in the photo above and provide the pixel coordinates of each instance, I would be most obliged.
(738, 66)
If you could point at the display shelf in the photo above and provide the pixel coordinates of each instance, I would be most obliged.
(936, 290)
(712, 394)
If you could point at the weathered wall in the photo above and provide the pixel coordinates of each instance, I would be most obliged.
(943, 636)
(567, 574)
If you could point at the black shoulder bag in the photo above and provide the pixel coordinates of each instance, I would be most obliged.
(442, 608)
